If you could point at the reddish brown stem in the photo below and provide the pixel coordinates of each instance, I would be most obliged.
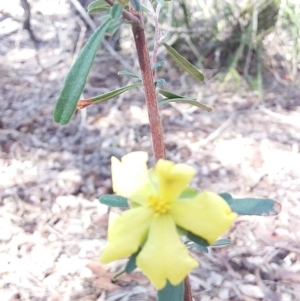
(152, 106)
(187, 290)
(148, 82)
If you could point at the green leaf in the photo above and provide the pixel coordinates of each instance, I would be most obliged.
(130, 266)
(136, 4)
(160, 82)
(189, 193)
(114, 93)
(172, 97)
(98, 6)
(113, 200)
(202, 245)
(193, 245)
(157, 65)
(169, 94)
(113, 28)
(222, 242)
(184, 63)
(76, 78)
(131, 263)
(252, 206)
(146, 10)
(197, 239)
(127, 73)
(197, 242)
(116, 11)
(171, 292)
(190, 101)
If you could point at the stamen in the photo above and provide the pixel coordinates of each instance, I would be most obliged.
(158, 204)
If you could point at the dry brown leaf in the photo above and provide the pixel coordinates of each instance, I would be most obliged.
(101, 271)
(137, 277)
(98, 269)
(105, 284)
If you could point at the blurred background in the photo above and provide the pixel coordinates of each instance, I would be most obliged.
(52, 227)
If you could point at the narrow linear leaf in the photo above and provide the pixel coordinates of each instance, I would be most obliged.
(179, 98)
(97, 6)
(252, 206)
(190, 101)
(181, 232)
(184, 63)
(131, 263)
(136, 4)
(222, 242)
(157, 65)
(113, 200)
(171, 292)
(169, 94)
(200, 248)
(197, 242)
(127, 73)
(113, 28)
(115, 93)
(116, 11)
(76, 78)
(197, 239)
(130, 266)
(146, 10)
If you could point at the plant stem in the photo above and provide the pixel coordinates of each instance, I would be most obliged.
(149, 87)
(187, 290)
(152, 106)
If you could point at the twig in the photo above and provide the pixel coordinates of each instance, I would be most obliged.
(27, 21)
(218, 131)
(270, 295)
(282, 118)
(80, 37)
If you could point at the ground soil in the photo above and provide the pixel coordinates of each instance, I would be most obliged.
(52, 227)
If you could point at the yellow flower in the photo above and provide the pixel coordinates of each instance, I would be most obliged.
(156, 212)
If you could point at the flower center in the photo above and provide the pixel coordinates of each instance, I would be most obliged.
(158, 204)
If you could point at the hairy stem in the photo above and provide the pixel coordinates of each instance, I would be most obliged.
(148, 82)
(152, 106)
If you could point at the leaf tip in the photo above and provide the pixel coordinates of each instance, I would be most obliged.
(276, 208)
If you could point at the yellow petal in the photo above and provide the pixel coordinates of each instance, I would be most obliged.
(140, 196)
(173, 179)
(130, 173)
(127, 234)
(206, 215)
(164, 257)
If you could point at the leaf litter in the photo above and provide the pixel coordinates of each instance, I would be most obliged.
(52, 227)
